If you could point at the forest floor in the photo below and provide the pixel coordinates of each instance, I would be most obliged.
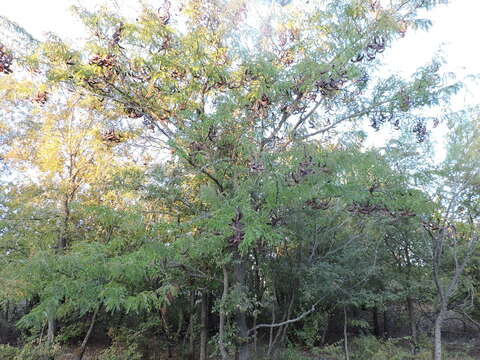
(455, 351)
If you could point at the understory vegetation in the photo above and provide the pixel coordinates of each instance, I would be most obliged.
(194, 181)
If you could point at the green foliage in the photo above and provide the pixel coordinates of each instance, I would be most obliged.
(292, 354)
(32, 351)
(124, 346)
(8, 352)
(311, 332)
(115, 352)
(368, 347)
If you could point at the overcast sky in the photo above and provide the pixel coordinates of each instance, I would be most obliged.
(454, 31)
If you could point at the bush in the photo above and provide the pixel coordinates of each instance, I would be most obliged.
(7, 352)
(116, 352)
(124, 345)
(292, 354)
(371, 348)
(37, 352)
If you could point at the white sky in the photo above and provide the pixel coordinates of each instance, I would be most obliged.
(454, 31)
(455, 26)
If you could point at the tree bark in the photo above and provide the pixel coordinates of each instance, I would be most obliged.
(61, 245)
(285, 327)
(204, 329)
(240, 315)
(270, 338)
(83, 347)
(63, 237)
(50, 329)
(377, 325)
(325, 330)
(221, 331)
(191, 335)
(345, 334)
(437, 342)
(385, 324)
(413, 325)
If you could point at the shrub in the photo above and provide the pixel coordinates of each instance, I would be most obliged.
(115, 352)
(37, 352)
(7, 352)
(292, 354)
(124, 346)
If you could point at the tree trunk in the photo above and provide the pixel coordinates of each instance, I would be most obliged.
(191, 335)
(437, 343)
(325, 330)
(7, 311)
(413, 325)
(41, 333)
(221, 330)
(83, 347)
(385, 324)
(63, 237)
(240, 316)
(204, 329)
(270, 338)
(377, 325)
(51, 329)
(285, 328)
(345, 334)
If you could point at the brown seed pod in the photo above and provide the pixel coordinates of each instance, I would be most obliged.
(287, 58)
(117, 34)
(111, 136)
(6, 60)
(133, 113)
(41, 97)
(317, 204)
(164, 13)
(237, 227)
(107, 61)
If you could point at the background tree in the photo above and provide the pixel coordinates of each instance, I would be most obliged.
(454, 230)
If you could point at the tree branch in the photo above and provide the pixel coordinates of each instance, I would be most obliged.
(298, 318)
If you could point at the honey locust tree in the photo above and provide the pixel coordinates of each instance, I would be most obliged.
(242, 93)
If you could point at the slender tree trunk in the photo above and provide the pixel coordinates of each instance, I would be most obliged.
(385, 324)
(377, 326)
(191, 334)
(270, 338)
(204, 329)
(178, 333)
(325, 330)
(240, 316)
(285, 328)
(41, 333)
(168, 334)
(50, 328)
(437, 336)
(62, 237)
(61, 245)
(279, 331)
(7, 311)
(255, 337)
(413, 325)
(83, 347)
(221, 331)
(345, 335)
